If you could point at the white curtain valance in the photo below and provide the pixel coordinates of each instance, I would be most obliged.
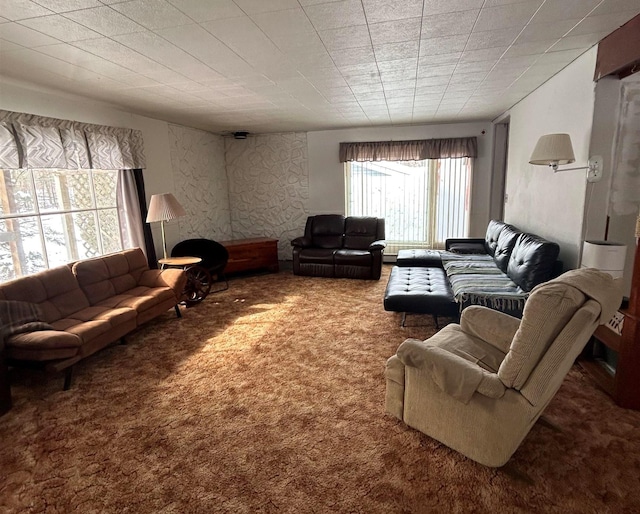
(9, 155)
(43, 142)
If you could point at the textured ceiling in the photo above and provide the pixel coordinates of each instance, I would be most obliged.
(284, 65)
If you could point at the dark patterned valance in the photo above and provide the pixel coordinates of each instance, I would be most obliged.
(415, 150)
(31, 141)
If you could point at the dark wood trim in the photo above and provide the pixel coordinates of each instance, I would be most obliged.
(619, 52)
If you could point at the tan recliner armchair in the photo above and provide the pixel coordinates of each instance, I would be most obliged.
(479, 386)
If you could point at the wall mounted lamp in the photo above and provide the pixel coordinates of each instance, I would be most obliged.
(556, 149)
(164, 207)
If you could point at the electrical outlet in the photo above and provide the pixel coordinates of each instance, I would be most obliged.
(594, 171)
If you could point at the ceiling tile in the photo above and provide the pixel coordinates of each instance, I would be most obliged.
(603, 23)
(153, 14)
(208, 49)
(612, 6)
(22, 9)
(336, 15)
(393, 51)
(446, 25)
(545, 31)
(353, 56)
(61, 28)
(60, 6)
(395, 31)
(442, 45)
(355, 37)
(209, 10)
(290, 27)
(503, 16)
(120, 54)
(259, 6)
(6, 46)
(383, 10)
(434, 71)
(448, 6)
(105, 20)
(486, 54)
(584, 41)
(24, 36)
(439, 59)
(531, 48)
(155, 47)
(492, 38)
(555, 10)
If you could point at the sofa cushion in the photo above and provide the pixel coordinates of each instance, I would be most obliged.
(532, 261)
(360, 232)
(316, 256)
(85, 330)
(491, 238)
(43, 345)
(140, 298)
(504, 246)
(107, 276)
(55, 291)
(353, 257)
(327, 230)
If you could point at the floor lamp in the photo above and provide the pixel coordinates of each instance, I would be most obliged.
(164, 207)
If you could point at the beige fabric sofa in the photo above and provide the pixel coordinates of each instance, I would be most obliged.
(479, 386)
(83, 307)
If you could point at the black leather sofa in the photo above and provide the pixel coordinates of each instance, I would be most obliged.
(340, 247)
(498, 272)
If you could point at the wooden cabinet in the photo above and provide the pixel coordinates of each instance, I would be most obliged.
(623, 382)
(252, 254)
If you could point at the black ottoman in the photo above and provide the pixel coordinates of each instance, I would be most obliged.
(419, 258)
(419, 290)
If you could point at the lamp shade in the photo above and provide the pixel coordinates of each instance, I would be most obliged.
(605, 256)
(553, 149)
(164, 207)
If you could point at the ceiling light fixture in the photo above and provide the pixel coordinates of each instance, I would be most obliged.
(556, 149)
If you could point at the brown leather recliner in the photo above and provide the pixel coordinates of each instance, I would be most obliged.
(335, 246)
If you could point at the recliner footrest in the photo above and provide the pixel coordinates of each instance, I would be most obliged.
(419, 290)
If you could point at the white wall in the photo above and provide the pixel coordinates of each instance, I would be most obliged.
(201, 185)
(269, 187)
(539, 201)
(326, 172)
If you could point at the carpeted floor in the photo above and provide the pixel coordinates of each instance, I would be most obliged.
(269, 397)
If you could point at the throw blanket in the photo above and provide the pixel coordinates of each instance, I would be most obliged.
(476, 280)
(20, 317)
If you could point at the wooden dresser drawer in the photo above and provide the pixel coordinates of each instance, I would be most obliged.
(252, 254)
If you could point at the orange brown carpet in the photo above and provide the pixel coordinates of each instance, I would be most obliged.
(269, 397)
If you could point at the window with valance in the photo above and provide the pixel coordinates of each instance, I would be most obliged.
(61, 191)
(421, 187)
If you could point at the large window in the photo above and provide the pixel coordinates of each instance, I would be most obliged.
(51, 217)
(423, 202)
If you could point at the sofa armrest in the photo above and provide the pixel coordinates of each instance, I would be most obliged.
(174, 278)
(454, 375)
(377, 245)
(303, 242)
(465, 245)
(493, 327)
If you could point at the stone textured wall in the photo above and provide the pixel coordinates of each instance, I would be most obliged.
(201, 185)
(269, 187)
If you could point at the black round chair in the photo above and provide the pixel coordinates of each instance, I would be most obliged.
(214, 259)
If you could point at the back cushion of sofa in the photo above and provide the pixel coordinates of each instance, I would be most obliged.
(491, 238)
(532, 261)
(107, 276)
(359, 232)
(55, 291)
(506, 241)
(327, 230)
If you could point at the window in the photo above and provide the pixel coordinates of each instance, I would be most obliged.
(50, 217)
(423, 202)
